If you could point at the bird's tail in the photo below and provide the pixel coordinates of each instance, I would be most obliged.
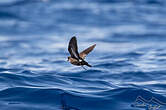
(86, 63)
(89, 65)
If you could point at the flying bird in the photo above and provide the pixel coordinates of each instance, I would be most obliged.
(77, 58)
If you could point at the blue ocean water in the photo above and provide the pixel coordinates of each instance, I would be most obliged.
(129, 61)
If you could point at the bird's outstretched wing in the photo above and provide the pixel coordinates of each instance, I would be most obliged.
(84, 53)
(73, 49)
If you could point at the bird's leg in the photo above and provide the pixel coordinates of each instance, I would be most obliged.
(83, 67)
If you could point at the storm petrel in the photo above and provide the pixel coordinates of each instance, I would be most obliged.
(78, 58)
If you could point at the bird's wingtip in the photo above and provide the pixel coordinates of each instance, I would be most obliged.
(94, 45)
(74, 37)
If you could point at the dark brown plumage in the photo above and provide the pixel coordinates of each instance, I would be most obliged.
(77, 58)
